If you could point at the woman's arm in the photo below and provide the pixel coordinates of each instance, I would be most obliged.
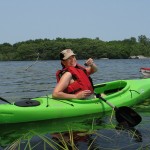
(61, 86)
(59, 93)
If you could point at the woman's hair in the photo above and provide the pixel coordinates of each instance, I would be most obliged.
(63, 66)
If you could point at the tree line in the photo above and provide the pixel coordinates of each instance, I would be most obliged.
(47, 49)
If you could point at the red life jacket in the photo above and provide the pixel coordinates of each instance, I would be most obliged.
(82, 80)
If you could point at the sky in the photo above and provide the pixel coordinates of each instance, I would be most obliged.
(22, 20)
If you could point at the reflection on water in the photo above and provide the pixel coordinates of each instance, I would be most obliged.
(17, 83)
(36, 130)
(87, 132)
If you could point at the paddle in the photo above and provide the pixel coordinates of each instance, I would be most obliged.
(124, 114)
(4, 100)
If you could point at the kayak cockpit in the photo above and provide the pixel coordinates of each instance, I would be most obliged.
(111, 87)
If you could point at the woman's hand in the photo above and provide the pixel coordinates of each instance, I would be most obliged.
(89, 62)
(83, 94)
(91, 66)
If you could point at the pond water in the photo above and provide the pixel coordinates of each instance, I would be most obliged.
(28, 79)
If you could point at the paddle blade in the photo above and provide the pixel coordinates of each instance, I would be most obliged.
(126, 114)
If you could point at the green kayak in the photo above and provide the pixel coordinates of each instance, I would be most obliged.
(118, 93)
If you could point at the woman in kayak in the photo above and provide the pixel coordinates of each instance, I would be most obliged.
(74, 81)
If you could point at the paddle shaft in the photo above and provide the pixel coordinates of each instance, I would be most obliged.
(4, 100)
(111, 105)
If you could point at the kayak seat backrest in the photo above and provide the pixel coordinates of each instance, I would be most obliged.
(111, 91)
(27, 103)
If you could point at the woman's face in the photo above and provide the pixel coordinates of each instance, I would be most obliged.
(71, 61)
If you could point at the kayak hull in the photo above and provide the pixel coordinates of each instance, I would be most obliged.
(119, 93)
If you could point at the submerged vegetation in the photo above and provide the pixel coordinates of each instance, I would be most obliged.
(96, 140)
(84, 48)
